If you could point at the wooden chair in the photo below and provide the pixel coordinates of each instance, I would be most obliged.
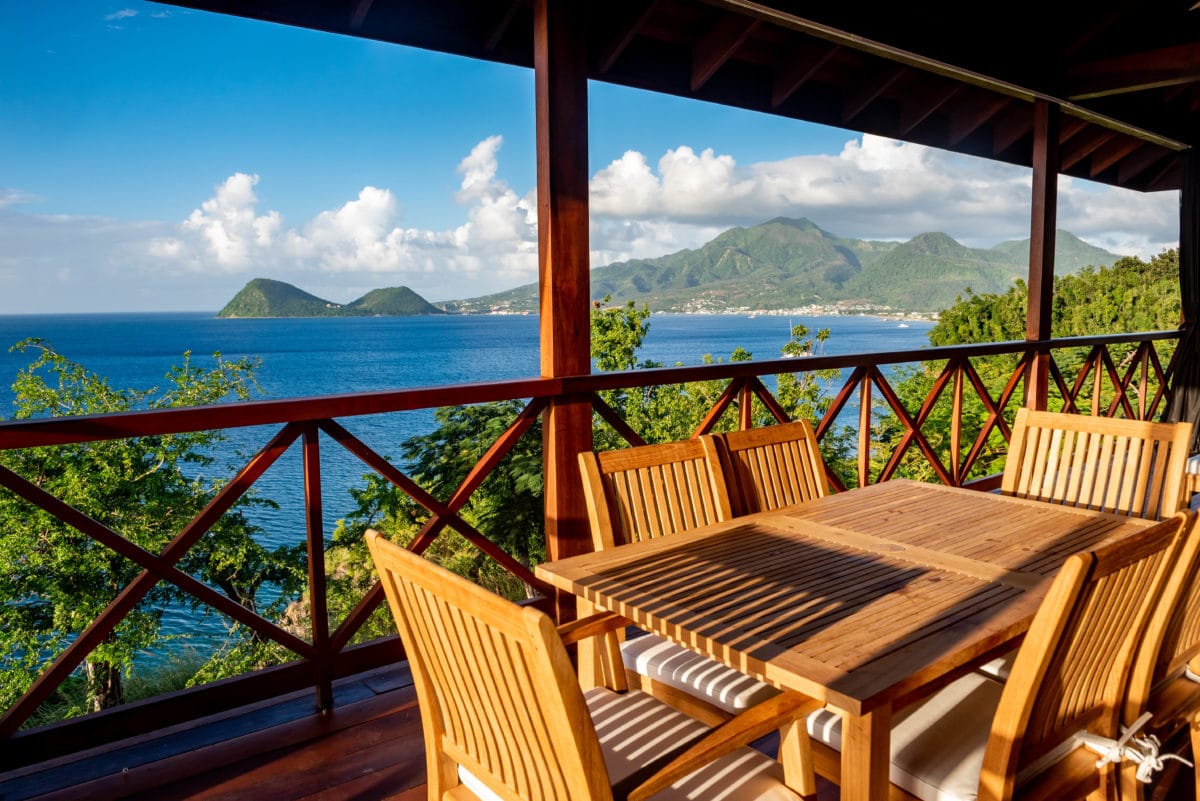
(1128, 467)
(773, 466)
(649, 491)
(504, 718)
(1166, 676)
(1018, 739)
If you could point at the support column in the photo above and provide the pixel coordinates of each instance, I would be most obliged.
(1041, 247)
(560, 71)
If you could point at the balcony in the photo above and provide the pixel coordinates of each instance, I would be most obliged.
(340, 718)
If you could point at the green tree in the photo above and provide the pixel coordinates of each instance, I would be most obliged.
(1130, 296)
(508, 507)
(56, 580)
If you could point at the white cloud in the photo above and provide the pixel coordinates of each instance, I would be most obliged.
(117, 16)
(872, 189)
(14, 197)
(496, 247)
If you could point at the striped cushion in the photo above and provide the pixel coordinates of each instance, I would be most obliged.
(939, 743)
(651, 656)
(634, 728)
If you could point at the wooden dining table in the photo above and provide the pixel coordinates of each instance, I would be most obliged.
(867, 599)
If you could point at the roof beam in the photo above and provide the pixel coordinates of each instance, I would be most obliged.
(1011, 128)
(915, 112)
(973, 119)
(718, 45)
(1084, 145)
(798, 71)
(1112, 152)
(858, 102)
(622, 41)
(1134, 72)
(510, 13)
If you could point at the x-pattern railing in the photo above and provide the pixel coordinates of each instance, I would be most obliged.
(1137, 387)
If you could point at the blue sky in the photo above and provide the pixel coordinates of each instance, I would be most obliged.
(156, 158)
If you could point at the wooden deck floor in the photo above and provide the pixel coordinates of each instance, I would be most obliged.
(368, 749)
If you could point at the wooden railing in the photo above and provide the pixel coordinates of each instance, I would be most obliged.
(1112, 375)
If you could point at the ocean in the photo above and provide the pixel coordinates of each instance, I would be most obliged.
(309, 357)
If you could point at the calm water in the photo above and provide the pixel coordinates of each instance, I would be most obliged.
(307, 357)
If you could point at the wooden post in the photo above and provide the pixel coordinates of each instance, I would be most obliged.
(1041, 248)
(560, 74)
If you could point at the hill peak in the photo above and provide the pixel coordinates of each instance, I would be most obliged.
(267, 297)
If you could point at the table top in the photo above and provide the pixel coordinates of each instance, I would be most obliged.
(857, 598)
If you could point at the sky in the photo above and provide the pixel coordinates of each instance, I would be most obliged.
(154, 158)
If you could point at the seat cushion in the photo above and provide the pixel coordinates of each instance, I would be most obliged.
(1000, 667)
(635, 728)
(651, 656)
(1193, 465)
(938, 744)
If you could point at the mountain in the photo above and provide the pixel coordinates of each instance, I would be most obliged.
(792, 263)
(264, 297)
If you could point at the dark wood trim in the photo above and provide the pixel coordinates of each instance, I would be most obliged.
(561, 92)
(1041, 246)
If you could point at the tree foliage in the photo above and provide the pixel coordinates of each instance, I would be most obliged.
(56, 580)
(1130, 296)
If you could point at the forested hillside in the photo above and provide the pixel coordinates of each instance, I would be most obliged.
(790, 264)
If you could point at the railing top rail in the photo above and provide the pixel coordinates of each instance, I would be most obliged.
(64, 430)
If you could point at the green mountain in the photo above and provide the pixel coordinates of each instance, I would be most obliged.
(264, 297)
(788, 264)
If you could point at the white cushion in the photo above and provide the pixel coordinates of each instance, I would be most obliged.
(938, 744)
(635, 728)
(651, 656)
(999, 668)
(1193, 465)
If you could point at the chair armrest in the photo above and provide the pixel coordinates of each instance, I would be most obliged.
(757, 721)
(592, 626)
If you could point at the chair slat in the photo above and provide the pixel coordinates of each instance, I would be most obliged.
(1130, 467)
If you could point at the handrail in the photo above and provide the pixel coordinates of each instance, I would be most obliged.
(86, 428)
(1099, 386)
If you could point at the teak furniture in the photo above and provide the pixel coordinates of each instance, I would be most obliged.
(771, 467)
(995, 741)
(1110, 464)
(867, 600)
(651, 491)
(504, 717)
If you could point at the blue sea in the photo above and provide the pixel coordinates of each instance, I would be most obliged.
(309, 357)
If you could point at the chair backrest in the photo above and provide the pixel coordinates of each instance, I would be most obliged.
(1072, 671)
(1132, 467)
(773, 466)
(649, 491)
(1172, 639)
(497, 692)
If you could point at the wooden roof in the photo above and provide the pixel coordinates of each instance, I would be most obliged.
(952, 75)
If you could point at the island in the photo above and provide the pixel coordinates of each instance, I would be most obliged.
(264, 297)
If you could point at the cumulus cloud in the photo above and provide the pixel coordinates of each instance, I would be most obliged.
(872, 189)
(496, 245)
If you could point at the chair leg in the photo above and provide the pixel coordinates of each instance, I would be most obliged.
(796, 756)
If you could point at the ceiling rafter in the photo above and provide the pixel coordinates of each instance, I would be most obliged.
(870, 92)
(628, 32)
(1011, 128)
(502, 26)
(1082, 146)
(718, 45)
(1111, 153)
(967, 122)
(1134, 72)
(359, 15)
(916, 112)
(799, 70)
(1141, 161)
